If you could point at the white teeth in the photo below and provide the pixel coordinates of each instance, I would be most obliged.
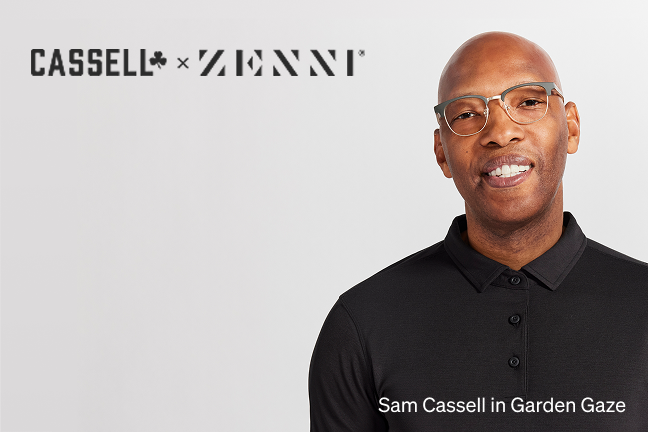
(509, 171)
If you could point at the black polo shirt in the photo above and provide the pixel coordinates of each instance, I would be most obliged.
(450, 340)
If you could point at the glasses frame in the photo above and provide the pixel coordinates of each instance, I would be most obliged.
(548, 86)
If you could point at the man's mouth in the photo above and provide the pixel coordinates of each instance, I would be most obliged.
(509, 170)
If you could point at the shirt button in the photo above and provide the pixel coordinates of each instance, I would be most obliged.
(514, 362)
(514, 319)
(514, 280)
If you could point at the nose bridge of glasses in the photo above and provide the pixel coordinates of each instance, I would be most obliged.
(499, 96)
(499, 99)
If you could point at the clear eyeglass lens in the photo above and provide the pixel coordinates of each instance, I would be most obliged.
(526, 104)
(466, 116)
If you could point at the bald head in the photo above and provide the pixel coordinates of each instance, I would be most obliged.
(490, 59)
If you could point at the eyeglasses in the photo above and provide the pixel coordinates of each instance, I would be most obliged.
(524, 103)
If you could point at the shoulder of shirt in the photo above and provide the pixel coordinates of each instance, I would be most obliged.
(389, 277)
(611, 253)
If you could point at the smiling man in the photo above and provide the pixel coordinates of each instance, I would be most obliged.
(515, 320)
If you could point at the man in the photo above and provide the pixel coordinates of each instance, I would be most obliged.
(516, 321)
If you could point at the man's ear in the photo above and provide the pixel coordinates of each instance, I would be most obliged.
(440, 154)
(573, 127)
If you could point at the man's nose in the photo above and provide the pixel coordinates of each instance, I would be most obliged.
(500, 129)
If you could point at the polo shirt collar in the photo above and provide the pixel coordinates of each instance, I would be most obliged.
(550, 268)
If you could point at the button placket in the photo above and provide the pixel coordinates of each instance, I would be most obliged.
(514, 361)
(516, 281)
(514, 286)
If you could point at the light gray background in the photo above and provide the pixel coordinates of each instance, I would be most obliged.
(171, 245)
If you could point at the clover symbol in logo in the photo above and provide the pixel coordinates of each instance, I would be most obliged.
(157, 59)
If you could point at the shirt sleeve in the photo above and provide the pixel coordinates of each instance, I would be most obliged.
(340, 384)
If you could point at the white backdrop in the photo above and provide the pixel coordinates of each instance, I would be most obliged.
(172, 244)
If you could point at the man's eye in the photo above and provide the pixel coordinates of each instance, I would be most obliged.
(465, 116)
(530, 103)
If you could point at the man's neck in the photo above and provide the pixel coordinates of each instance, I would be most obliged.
(519, 245)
